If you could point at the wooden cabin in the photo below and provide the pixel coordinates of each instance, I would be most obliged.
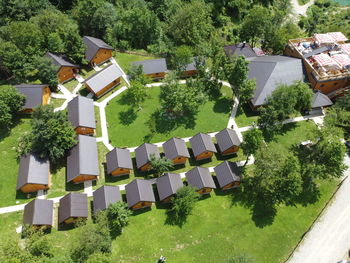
(201, 179)
(202, 146)
(82, 161)
(97, 51)
(175, 149)
(104, 196)
(167, 186)
(81, 114)
(190, 69)
(143, 154)
(73, 206)
(65, 69)
(36, 95)
(103, 81)
(228, 175)
(153, 68)
(228, 141)
(119, 162)
(139, 194)
(38, 213)
(33, 174)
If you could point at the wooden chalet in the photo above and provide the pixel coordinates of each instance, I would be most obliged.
(119, 162)
(202, 146)
(228, 141)
(36, 95)
(38, 213)
(167, 186)
(104, 196)
(143, 154)
(81, 114)
(97, 51)
(190, 69)
(228, 175)
(154, 68)
(139, 194)
(175, 149)
(73, 206)
(201, 179)
(65, 69)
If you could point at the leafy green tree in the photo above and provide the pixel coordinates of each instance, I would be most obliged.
(55, 43)
(343, 102)
(118, 216)
(303, 94)
(136, 93)
(12, 98)
(47, 71)
(160, 165)
(99, 258)
(104, 17)
(136, 73)
(184, 202)
(5, 115)
(11, 252)
(182, 56)
(57, 259)
(39, 245)
(252, 142)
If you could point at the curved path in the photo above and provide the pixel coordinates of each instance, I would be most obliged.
(300, 9)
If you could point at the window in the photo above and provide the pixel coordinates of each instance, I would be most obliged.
(335, 83)
(322, 85)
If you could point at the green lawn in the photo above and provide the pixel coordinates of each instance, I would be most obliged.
(124, 59)
(56, 102)
(70, 85)
(245, 116)
(98, 122)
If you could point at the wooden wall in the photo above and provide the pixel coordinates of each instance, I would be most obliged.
(204, 190)
(46, 96)
(231, 185)
(231, 150)
(189, 73)
(84, 177)
(120, 171)
(65, 73)
(159, 75)
(146, 167)
(101, 56)
(140, 205)
(29, 188)
(179, 160)
(84, 130)
(204, 155)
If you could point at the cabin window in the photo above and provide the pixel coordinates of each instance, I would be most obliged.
(335, 83)
(179, 158)
(322, 85)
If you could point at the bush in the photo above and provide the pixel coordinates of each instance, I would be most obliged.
(183, 202)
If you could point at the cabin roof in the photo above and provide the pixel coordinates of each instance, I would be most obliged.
(104, 196)
(73, 205)
(143, 152)
(202, 142)
(200, 177)
(139, 191)
(93, 45)
(33, 94)
(168, 184)
(151, 66)
(175, 147)
(118, 158)
(38, 212)
(320, 100)
(33, 170)
(60, 60)
(240, 49)
(81, 112)
(227, 138)
(226, 173)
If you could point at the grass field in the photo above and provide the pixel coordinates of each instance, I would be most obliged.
(70, 85)
(124, 59)
(245, 116)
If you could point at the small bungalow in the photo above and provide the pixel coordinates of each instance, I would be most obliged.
(97, 51)
(202, 146)
(36, 95)
(175, 149)
(228, 175)
(38, 213)
(143, 154)
(228, 141)
(201, 179)
(190, 70)
(320, 100)
(103, 81)
(65, 69)
(240, 49)
(167, 186)
(139, 194)
(104, 196)
(82, 161)
(73, 206)
(154, 68)
(119, 162)
(81, 114)
(33, 174)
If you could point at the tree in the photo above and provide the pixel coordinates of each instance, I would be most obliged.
(136, 73)
(118, 217)
(5, 115)
(303, 94)
(182, 57)
(11, 101)
(183, 202)
(136, 93)
(252, 141)
(99, 258)
(38, 245)
(47, 71)
(104, 17)
(160, 165)
(11, 252)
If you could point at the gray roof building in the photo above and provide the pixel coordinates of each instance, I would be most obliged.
(118, 158)
(81, 112)
(239, 49)
(83, 158)
(60, 61)
(226, 139)
(38, 212)
(33, 170)
(202, 142)
(151, 66)
(102, 78)
(73, 205)
(33, 94)
(168, 184)
(143, 153)
(139, 191)
(174, 148)
(320, 100)
(200, 177)
(226, 173)
(93, 45)
(272, 71)
(104, 196)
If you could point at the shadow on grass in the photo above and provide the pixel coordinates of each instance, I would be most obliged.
(127, 117)
(222, 105)
(245, 109)
(174, 220)
(17, 120)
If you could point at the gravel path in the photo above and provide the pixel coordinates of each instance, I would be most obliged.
(300, 9)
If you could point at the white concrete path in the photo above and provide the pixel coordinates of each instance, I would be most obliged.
(79, 78)
(300, 9)
(88, 188)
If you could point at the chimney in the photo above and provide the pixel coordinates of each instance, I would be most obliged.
(243, 44)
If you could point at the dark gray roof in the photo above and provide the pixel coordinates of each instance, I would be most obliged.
(33, 170)
(317, 51)
(102, 78)
(38, 212)
(226, 139)
(81, 112)
(168, 184)
(93, 45)
(320, 100)
(240, 49)
(202, 142)
(139, 191)
(59, 60)
(151, 66)
(226, 173)
(104, 196)
(83, 158)
(73, 205)
(271, 71)
(33, 93)
(118, 158)
(143, 152)
(200, 177)
(175, 147)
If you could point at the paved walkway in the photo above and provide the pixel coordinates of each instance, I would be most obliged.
(300, 9)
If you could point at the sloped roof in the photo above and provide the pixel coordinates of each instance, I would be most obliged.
(226, 173)
(33, 170)
(139, 191)
(83, 158)
(73, 205)
(81, 112)
(320, 100)
(202, 142)
(240, 49)
(38, 212)
(118, 158)
(226, 139)
(270, 72)
(93, 45)
(200, 177)
(151, 66)
(168, 184)
(175, 147)
(104, 77)
(60, 60)
(104, 196)
(143, 152)
(33, 93)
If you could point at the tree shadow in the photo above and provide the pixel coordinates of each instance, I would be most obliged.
(173, 220)
(245, 109)
(17, 120)
(127, 117)
(222, 105)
